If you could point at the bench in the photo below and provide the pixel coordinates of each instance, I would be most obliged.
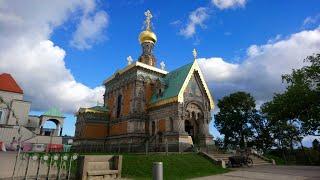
(99, 167)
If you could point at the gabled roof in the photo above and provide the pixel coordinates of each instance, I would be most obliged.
(94, 109)
(135, 64)
(53, 112)
(176, 83)
(7, 83)
(173, 81)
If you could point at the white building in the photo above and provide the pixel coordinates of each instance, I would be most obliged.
(14, 111)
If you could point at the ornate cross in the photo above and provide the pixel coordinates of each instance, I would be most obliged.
(194, 52)
(148, 20)
(162, 65)
(130, 60)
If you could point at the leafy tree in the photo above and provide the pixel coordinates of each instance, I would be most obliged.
(303, 95)
(263, 140)
(219, 143)
(315, 144)
(233, 120)
(283, 128)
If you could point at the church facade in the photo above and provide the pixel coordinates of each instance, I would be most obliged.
(146, 104)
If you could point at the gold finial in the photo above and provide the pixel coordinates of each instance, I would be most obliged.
(147, 22)
(194, 52)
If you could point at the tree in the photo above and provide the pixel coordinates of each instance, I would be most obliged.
(315, 144)
(263, 139)
(303, 91)
(233, 120)
(282, 127)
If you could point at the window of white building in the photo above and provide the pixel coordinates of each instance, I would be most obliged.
(1, 114)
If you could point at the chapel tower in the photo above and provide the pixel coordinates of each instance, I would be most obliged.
(147, 39)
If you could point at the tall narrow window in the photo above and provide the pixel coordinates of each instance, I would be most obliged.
(153, 128)
(1, 115)
(119, 105)
(171, 124)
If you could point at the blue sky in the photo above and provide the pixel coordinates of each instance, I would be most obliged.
(228, 33)
(70, 47)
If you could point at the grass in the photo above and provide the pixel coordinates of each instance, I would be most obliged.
(175, 166)
(279, 161)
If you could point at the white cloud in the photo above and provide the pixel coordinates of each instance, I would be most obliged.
(260, 73)
(226, 4)
(90, 30)
(27, 53)
(311, 21)
(196, 18)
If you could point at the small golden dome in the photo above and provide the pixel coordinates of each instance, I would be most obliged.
(147, 36)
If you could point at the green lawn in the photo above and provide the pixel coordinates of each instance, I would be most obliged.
(175, 166)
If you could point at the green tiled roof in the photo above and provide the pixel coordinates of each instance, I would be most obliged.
(53, 112)
(100, 108)
(174, 81)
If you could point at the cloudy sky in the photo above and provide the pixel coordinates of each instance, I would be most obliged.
(61, 51)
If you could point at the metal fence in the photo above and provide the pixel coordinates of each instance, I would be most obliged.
(139, 148)
(45, 166)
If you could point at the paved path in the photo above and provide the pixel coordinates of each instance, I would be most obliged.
(270, 172)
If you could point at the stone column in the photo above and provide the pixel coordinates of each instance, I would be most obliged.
(179, 125)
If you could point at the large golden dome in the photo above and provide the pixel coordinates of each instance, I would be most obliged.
(147, 36)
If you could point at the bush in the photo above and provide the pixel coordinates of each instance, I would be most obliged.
(296, 157)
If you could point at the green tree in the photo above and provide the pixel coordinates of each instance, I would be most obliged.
(315, 144)
(263, 139)
(233, 120)
(283, 129)
(303, 95)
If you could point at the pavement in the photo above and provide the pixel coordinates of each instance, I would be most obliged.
(269, 172)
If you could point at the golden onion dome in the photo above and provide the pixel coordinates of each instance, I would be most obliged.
(147, 36)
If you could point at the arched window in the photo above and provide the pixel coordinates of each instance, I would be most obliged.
(153, 126)
(171, 124)
(119, 105)
(193, 115)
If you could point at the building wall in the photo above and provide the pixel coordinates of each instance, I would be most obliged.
(119, 128)
(148, 91)
(34, 121)
(95, 130)
(162, 125)
(127, 93)
(8, 97)
(110, 104)
(21, 110)
(163, 117)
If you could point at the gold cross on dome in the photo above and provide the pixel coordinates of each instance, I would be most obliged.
(194, 52)
(148, 19)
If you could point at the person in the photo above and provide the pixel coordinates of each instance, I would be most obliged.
(14, 144)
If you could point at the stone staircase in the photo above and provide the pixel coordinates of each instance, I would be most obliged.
(225, 157)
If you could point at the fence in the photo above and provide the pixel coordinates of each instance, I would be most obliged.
(131, 148)
(45, 166)
(141, 147)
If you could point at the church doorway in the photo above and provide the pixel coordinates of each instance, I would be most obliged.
(189, 128)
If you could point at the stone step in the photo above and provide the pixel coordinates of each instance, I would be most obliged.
(256, 160)
(259, 164)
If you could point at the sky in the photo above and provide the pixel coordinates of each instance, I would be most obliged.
(61, 51)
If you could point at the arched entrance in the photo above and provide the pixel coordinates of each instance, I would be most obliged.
(51, 127)
(188, 128)
(55, 116)
(193, 121)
